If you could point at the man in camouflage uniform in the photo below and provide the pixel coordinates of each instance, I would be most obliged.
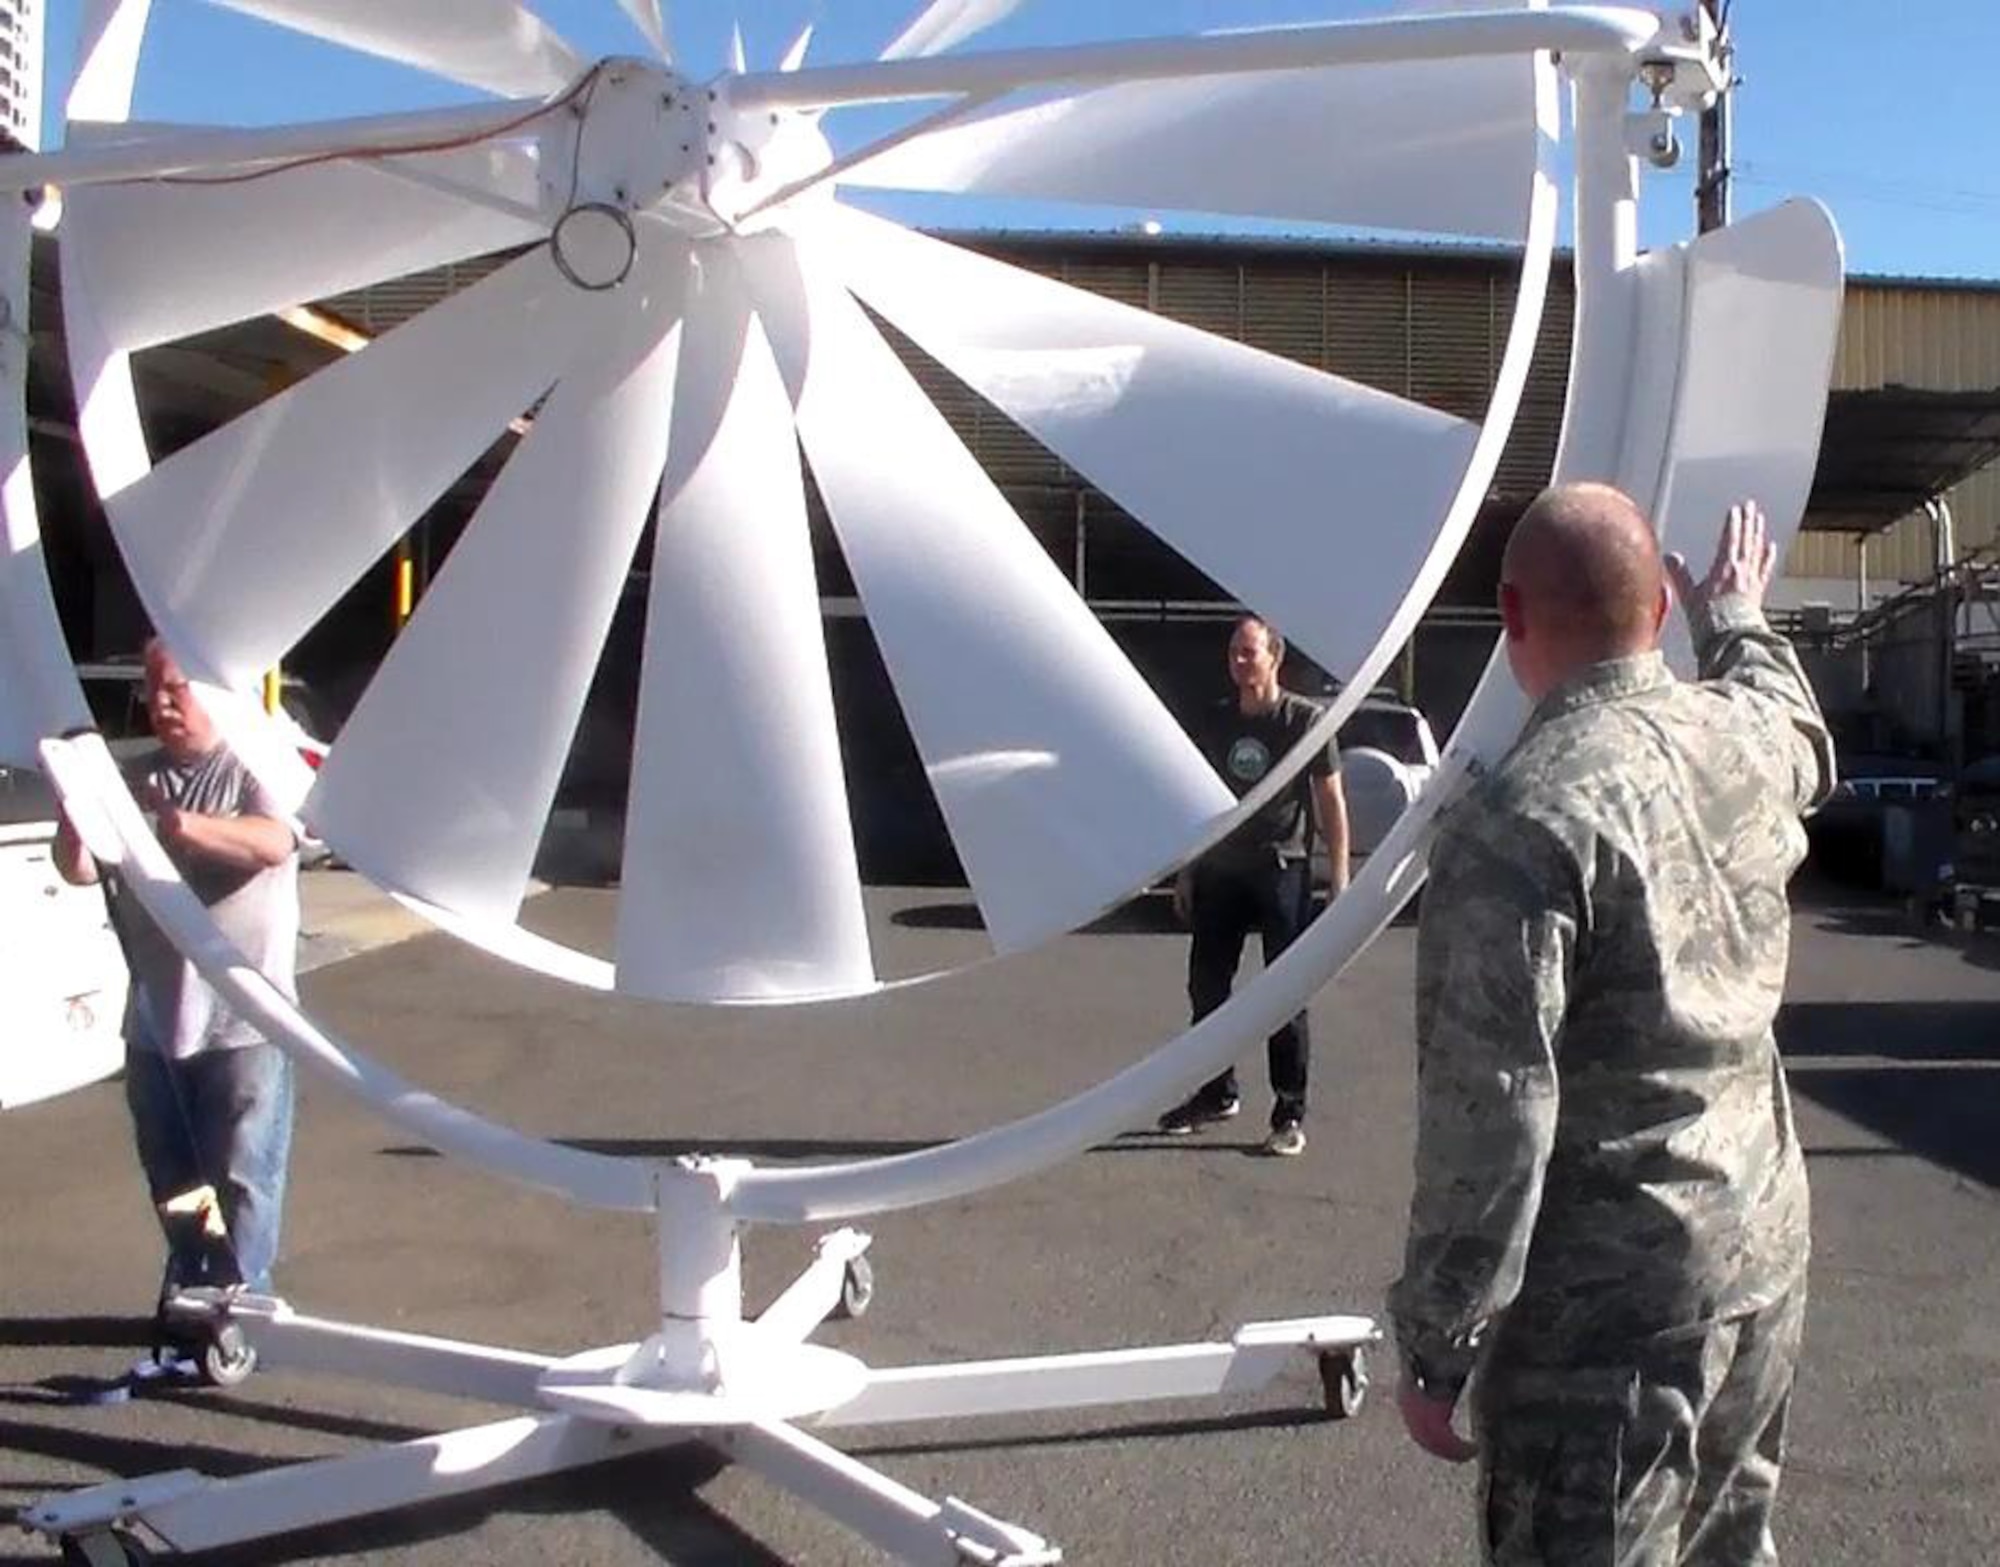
(1610, 1217)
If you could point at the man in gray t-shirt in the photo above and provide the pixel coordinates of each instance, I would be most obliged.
(211, 1099)
(1259, 878)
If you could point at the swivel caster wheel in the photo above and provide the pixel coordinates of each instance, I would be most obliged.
(857, 1290)
(104, 1548)
(1343, 1376)
(227, 1357)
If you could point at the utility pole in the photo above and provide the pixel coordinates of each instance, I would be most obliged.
(1712, 175)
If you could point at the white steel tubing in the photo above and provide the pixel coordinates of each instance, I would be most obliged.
(1026, 1385)
(1607, 246)
(333, 1490)
(813, 1296)
(290, 1342)
(1617, 31)
(804, 1194)
(220, 150)
(889, 1515)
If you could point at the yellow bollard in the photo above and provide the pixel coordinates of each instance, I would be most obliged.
(406, 583)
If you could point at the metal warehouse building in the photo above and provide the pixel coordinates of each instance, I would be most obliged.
(1915, 419)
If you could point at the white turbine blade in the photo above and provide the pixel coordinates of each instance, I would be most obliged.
(740, 882)
(440, 784)
(1437, 146)
(795, 56)
(647, 17)
(944, 24)
(1312, 499)
(499, 45)
(111, 35)
(240, 542)
(1064, 782)
(155, 262)
(739, 57)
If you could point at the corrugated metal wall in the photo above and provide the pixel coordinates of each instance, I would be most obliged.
(1430, 325)
(1427, 326)
(1896, 333)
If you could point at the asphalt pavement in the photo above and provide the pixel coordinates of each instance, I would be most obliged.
(1894, 1044)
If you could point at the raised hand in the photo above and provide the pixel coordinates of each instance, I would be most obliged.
(1745, 561)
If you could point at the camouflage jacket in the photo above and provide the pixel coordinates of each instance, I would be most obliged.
(1605, 1146)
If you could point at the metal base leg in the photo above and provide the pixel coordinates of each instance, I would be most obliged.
(910, 1527)
(706, 1375)
(1249, 1361)
(192, 1513)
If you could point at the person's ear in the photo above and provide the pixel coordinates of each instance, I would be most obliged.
(1513, 612)
(1663, 608)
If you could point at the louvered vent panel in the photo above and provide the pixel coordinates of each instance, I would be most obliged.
(1284, 312)
(1451, 342)
(1529, 459)
(1050, 514)
(1203, 296)
(1124, 281)
(1366, 327)
(385, 306)
(1007, 453)
(1012, 456)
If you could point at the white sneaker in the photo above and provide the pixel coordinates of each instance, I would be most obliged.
(1286, 1141)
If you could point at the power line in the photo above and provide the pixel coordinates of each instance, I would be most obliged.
(1887, 190)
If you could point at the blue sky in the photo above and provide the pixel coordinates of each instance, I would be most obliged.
(1883, 113)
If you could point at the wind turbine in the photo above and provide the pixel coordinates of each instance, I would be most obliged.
(688, 305)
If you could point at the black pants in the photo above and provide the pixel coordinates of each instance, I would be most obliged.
(1227, 902)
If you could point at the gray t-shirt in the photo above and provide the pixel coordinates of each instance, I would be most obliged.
(172, 1009)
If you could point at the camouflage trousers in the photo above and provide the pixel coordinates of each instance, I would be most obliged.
(1671, 1460)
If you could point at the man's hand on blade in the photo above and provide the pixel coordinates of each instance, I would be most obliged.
(1428, 1420)
(1746, 558)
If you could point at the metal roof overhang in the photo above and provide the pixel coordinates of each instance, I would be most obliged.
(1889, 449)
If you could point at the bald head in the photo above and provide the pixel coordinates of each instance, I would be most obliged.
(1582, 580)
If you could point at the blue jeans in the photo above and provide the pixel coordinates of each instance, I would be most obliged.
(223, 1119)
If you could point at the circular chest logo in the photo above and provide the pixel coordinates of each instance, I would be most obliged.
(1249, 759)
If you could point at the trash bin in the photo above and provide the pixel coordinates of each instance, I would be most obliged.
(1916, 846)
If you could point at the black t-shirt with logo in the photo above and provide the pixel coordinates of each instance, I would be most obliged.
(1243, 748)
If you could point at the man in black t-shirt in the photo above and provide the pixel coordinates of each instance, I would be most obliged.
(1259, 877)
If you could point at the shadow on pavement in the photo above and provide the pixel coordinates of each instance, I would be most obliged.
(654, 1495)
(1937, 1101)
(75, 1332)
(1945, 1115)
(69, 1392)
(724, 1148)
(1160, 1142)
(1899, 1030)
(1145, 1431)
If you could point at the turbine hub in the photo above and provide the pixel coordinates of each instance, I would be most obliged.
(639, 139)
(758, 158)
(632, 140)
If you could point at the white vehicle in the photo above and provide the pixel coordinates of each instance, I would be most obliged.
(62, 976)
(1387, 755)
